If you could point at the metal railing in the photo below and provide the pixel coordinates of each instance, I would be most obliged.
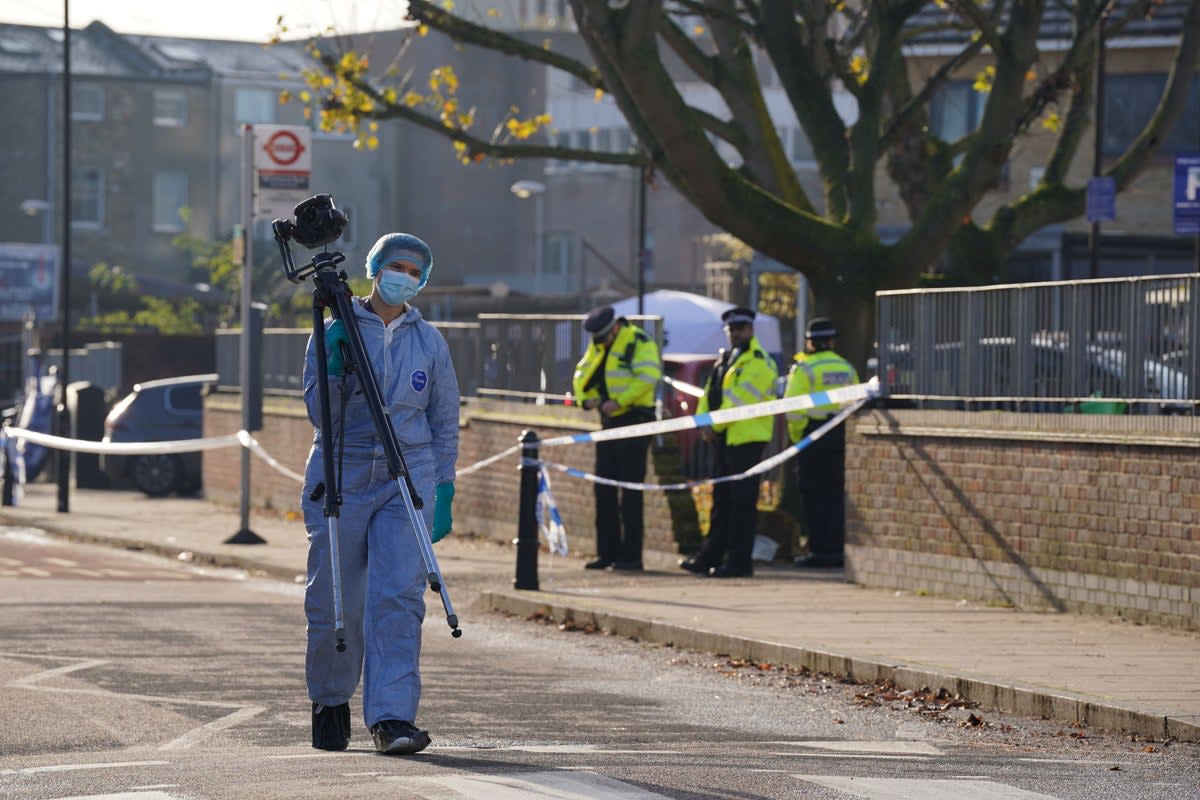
(1043, 346)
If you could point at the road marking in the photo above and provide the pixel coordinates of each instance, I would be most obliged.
(898, 748)
(122, 796)
(74, 767)
(342, 754)
(922, 789)
(28, 681)
(204, 731)
(555, 785)
(10, 562)
(60, 562)
(241, 710)
(34, 571)
(878, 756)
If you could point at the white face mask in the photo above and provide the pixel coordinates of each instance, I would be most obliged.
(397, 288)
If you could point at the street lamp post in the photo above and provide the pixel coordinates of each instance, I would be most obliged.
(537, 190)
(64, 372)
(641, 239)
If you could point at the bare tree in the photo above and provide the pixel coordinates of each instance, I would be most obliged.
(816, 48)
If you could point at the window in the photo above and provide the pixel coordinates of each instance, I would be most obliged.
(254, 105)
(583, 139)
(556, 258)
(1129, 103)
(625, 141)
(170, 108)
(955, 110)
(87, 197)
(170, 195)
(347, 240)
(802, 149)
(184, 398)
(87, 102)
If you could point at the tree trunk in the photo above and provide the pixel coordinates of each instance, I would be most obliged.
(854, 317)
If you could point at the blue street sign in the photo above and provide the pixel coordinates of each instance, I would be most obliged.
(1187, 193)
(1102, 200)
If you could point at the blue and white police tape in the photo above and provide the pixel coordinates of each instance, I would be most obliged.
(239, 439)
(758, 469)
(834, 397)
(478, 465)
(549, 520)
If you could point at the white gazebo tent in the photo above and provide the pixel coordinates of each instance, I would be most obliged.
(692, 322)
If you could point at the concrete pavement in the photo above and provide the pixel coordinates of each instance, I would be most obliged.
(1107, 673)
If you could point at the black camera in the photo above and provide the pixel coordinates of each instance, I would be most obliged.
(318, 222)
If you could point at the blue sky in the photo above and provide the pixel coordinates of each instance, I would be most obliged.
(252, 20)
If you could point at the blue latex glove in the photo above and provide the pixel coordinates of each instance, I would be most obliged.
(333, 353)
(443, 518)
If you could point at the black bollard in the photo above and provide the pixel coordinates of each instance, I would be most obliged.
(7, 489)
(527, 527)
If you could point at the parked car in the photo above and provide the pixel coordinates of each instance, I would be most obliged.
(158, 411)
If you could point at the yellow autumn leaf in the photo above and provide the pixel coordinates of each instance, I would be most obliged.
(373, 126)
(598, 95)
(1052, 122)
(698, 30)
(412, 99)
(389, 96)
(491, 12)
(983, 80)
(372, 142)
(422, 30)
(305, 97)
(284, 96)
(858, 68)
(448, 5)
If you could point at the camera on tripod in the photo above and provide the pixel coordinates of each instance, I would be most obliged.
(318, 223)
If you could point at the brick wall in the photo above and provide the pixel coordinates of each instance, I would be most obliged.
(1081, 513)
(485, 502)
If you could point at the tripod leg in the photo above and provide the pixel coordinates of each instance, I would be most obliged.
(432, 570)
(335, 572)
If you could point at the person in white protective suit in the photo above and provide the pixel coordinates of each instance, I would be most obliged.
(383, 578)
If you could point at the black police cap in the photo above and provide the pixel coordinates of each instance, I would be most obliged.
(821, 328)
(738, 315)
(600, 321)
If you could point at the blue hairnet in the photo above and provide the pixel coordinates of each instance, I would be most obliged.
(400, 247)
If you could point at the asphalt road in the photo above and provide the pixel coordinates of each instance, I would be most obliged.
(130, 676)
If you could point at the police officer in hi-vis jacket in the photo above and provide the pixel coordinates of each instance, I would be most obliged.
(617, 376)
(743, 374)
(821, 467)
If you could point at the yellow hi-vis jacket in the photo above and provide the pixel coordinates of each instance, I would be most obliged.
(749, 379)
(632, 370)
(816, 372)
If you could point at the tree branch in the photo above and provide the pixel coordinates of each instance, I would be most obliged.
(970, 11)
(461, 30)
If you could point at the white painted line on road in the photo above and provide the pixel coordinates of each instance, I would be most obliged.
(34, 571)
(342, 754)
(555, 785)
(116, 573)
(572, 749)
(28, 681)
(11, 562)
(60, 562)
(895, 747)
(123, 796)
(74, 767)
(876, 756)
(204, 731)
(90, 573)
(922, 789)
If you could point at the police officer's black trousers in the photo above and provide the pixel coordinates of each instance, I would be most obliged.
(821, 479)
(734, 517)
(619, 525)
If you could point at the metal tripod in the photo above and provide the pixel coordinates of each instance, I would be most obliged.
(332, 291)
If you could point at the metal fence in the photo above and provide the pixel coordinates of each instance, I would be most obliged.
(515, 356)
(1058, 346)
